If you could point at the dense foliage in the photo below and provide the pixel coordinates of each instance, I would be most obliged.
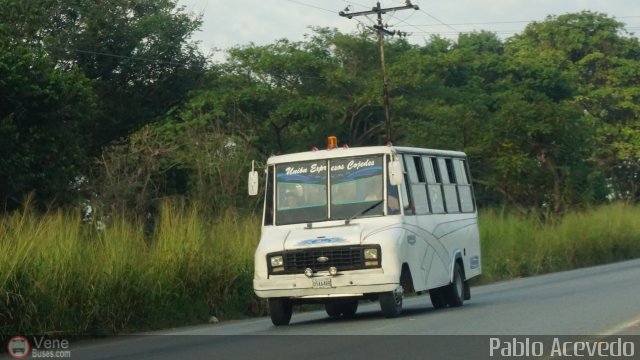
(76, 76)
(109, 105)
(549, 117)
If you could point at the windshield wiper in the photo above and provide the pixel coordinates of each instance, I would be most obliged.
(347, 221)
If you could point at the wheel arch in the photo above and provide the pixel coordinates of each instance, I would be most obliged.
(406, 280)
(457, 259)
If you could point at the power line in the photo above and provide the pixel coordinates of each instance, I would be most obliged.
(501, 22)
(442, 23)
(404, 20)
(438, 20)
(355, 3)
(479, 23)
(164, 62)
(312, 6)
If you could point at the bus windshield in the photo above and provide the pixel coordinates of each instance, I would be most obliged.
(332, 189)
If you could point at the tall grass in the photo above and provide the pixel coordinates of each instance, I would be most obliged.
(516, 246)
(61, 276)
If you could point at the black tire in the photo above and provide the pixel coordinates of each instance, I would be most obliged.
(344, 307)
(454, 292)
(467, 290)
(391, 303)
(349, 308)
(280, 310)
(333, 308)
(438, 299)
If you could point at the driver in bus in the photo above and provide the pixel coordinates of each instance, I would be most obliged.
(374, 190)
(294, 197)
(375, 193)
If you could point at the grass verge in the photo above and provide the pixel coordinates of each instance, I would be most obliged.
(514, 246)
(60, 276)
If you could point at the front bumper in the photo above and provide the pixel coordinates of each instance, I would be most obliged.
(350, 283)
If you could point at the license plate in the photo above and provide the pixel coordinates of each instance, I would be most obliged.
(321, 283)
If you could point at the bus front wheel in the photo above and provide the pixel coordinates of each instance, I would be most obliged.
(280, 310)
(391, 302)
(438, 298)
(345, 307)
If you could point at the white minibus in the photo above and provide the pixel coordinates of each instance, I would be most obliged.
(345, 224)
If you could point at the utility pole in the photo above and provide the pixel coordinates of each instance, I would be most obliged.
(382, 30)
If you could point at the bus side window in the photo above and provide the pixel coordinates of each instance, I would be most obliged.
(418, 184)
(407, 199)
(464, 186)
(434, 184)
(449, 185)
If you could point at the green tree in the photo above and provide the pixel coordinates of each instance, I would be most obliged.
(136, 52)
(510, 108)
(442, 91)
(288, 96)
(445, 96)
(86, 74)
(44, 114)
(605, 61)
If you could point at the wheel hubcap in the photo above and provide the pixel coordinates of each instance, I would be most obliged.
(459, 285)
(397, 294)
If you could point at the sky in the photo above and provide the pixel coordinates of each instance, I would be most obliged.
(229, 23)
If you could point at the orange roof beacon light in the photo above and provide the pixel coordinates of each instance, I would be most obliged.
(332, 142)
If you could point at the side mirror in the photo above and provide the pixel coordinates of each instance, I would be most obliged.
(253, 181)
(396, 176)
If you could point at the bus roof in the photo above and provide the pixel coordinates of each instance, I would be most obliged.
(340, 152)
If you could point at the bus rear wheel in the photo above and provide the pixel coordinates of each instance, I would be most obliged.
(454, 292)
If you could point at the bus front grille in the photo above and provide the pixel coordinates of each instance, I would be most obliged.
(321, 259)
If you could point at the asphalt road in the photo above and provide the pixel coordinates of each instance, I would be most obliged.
(601, 301)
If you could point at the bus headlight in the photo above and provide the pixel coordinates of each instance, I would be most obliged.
(371, 254)
(276, 261)
(371, 257)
